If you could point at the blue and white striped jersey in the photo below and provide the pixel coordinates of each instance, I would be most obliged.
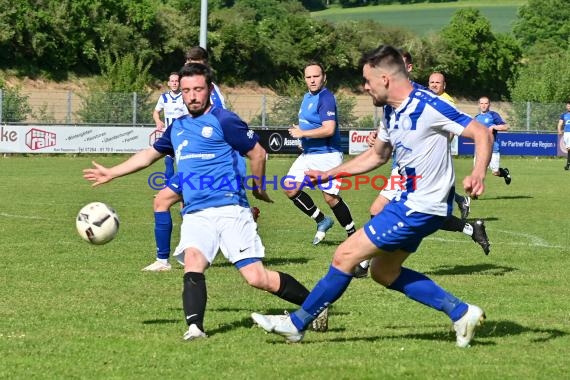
(419, 131)
(172, 105)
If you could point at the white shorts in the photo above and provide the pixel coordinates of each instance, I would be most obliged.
(230, 229)
(388, 192)
(566, 139)
(320, 161)
(495, 161)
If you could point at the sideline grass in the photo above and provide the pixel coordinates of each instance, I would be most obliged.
(71, 310)
(424, 18)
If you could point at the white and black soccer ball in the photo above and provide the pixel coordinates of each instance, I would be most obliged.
(97, 223)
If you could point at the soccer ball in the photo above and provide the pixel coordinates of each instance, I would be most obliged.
(97, 223)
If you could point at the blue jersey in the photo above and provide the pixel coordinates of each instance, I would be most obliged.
(208, 151)
(565, 117)
(488, 119)
(315, 109)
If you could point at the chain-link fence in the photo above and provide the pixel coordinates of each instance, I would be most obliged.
(73, 108)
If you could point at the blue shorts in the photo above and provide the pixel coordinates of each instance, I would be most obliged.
(398, 227)
(173, 183)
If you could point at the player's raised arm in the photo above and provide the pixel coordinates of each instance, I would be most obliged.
(100, 174)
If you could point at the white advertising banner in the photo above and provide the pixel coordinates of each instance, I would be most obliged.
(357, 141)
(66, 139)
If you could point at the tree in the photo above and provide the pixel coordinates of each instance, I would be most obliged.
(470, 54)
(546, 82)
(544, 22)
(112, 101)
(15, 106)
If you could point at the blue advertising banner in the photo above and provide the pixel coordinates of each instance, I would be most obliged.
(519, 144)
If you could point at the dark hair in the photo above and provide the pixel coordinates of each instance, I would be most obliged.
(384, 55)
(197, 53)
(407, 56)
(193, 69)
(173, 73)
(316, 63)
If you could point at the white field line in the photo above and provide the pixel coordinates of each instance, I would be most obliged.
(22, 216)
(525, 239)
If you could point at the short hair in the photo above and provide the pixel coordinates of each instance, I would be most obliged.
(438, 72)
(197, 53)
(173, 73)
(407, 56)
(193, 69)
(384, 55)
(316, 63)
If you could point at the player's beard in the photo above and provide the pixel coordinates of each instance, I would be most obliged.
(378, 102)
(195, 109)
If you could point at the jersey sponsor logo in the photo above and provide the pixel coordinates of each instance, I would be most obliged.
(399, 145)
(250, 134)
(179, 150)
(330, 113)
(207, 132)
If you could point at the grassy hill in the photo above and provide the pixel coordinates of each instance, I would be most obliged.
(425, 18)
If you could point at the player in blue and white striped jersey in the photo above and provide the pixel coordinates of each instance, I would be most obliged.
(418, 130)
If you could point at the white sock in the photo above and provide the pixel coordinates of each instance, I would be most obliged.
(468, 229)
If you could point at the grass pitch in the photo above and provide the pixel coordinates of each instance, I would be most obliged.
(424, 18)
(72, 310)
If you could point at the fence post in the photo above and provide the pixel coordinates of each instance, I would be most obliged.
(134, 108)
(1, 103)
(68, 116)
(528, 116)
(263, 110)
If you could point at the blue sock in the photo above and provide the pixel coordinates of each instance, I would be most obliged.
(420, 288)
(327, 290)
(168, 166)
(162, 233)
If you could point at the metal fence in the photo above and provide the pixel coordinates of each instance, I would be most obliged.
(74, 108)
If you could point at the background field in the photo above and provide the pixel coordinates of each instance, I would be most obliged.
(71, 310)
(425, 18)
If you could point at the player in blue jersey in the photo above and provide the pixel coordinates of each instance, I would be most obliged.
(208, 145)
(494, 122)
(564, 129)
(172, 106)
(419, 132)
(319, 132)
(171, 194)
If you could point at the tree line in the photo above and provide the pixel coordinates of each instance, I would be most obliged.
(269, 41)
